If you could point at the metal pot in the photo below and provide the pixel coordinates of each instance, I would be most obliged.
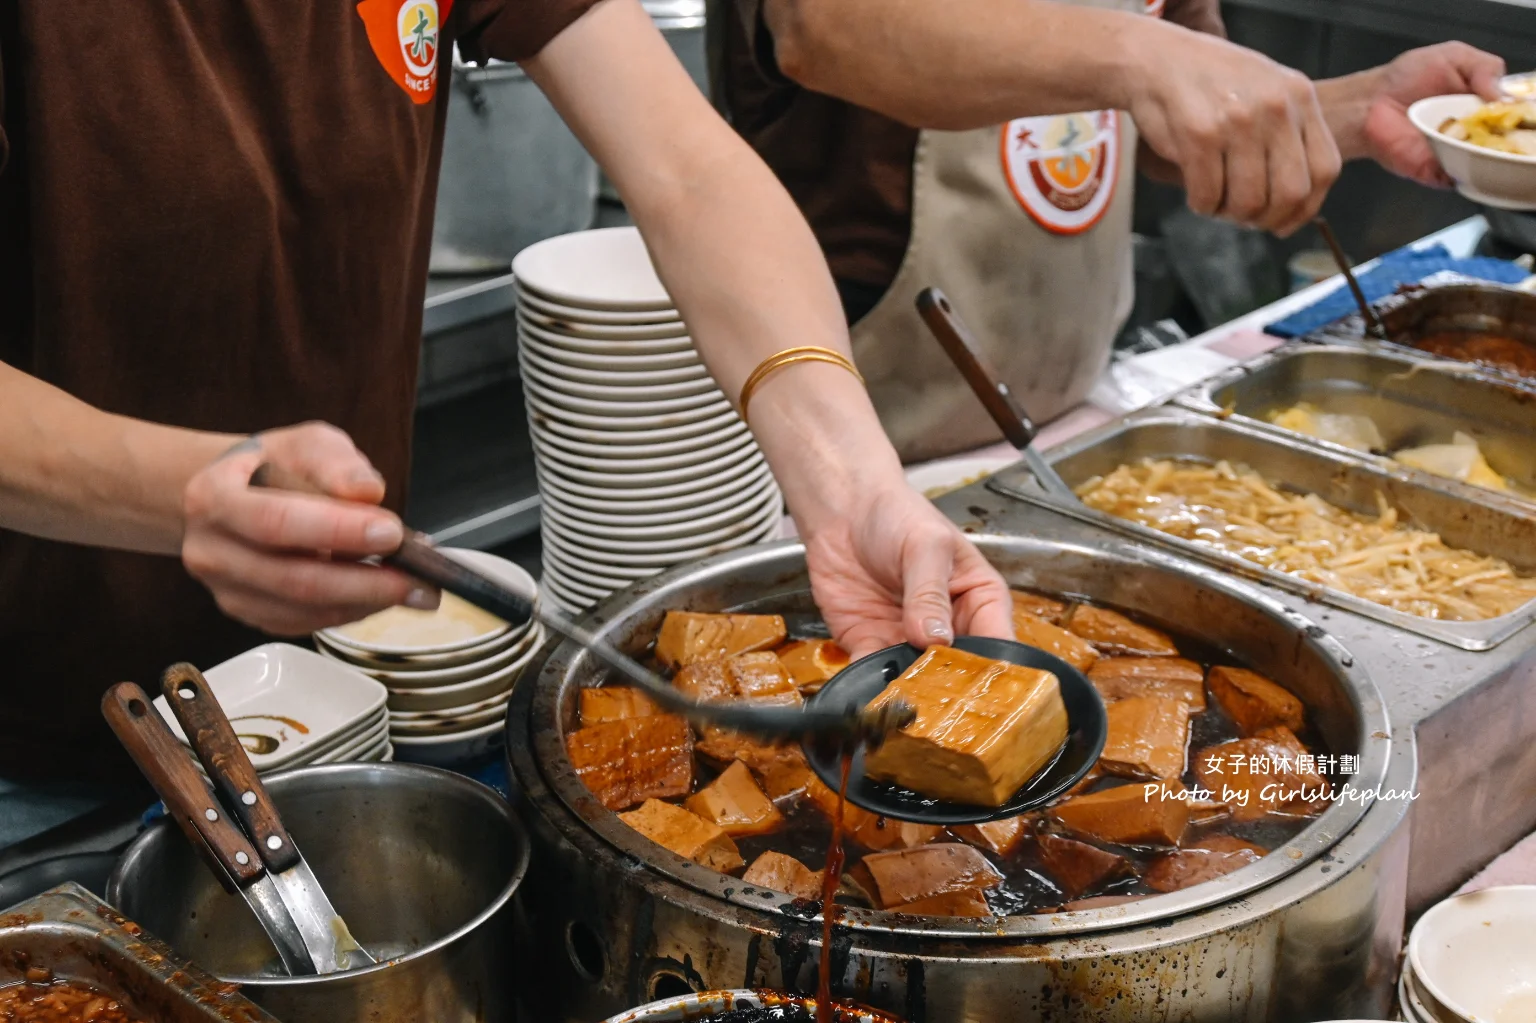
(421, 863)
(692, 1007)
(1310, 931)
(512, 174)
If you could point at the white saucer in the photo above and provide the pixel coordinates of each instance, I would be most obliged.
(561, 312)
(739, 473)
(667, 525)
(607, 430)
(688, 447)
(533, 319)
(608, 268)
(600, 475)
(618, 374)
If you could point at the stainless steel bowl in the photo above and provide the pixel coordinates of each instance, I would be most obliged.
(621, 920)
(422, 864)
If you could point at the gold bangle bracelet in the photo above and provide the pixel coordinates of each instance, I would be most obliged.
(788, 357)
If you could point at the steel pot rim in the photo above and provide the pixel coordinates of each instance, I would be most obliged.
(544, 754)
(467, 786)
(726, 999)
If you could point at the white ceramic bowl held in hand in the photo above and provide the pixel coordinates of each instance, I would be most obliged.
(1473, 957)
(1487, 176)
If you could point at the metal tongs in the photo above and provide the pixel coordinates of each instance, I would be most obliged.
(257, 858)
(419, 558)
(961, 347)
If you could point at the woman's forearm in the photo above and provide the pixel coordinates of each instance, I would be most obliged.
(71, 472)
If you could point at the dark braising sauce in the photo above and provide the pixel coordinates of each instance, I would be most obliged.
(1496, 350)
(830, 881)
(59, 1003)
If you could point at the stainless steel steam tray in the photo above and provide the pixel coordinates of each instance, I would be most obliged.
(1412, 403)
(74, 936)
(1349, 482)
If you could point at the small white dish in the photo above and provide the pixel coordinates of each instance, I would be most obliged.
(457, 627)
(625, 476)
(585, 400)
(498, 700)
(632, 348)
(1408, 1004)
(1474, 955)
(639, 504)
(1505, 180)
(450, 722)
(437, 678)
(665, 331)
(284, 700)
(735, 506)
(569, 313)
(617, 374)
(629, 430)
(637, 392)
(607, 268)
(1519, 86)
(687, 447)
(596, 544)
(594, 576)
(630, 362)
(449, 750)
(461, 693)
(738, 473)
(357, 749)
(423, 662)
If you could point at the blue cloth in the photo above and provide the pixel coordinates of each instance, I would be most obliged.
(28, 809)
(1402, 266)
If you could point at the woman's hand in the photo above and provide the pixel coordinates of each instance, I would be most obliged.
(286, 562)
(893, 569)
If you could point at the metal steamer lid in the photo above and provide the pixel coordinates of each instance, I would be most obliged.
(772, 577)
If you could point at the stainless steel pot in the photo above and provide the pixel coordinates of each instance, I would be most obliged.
(512, 174)
(423, 865)
(1310, 931)
(692, 1007)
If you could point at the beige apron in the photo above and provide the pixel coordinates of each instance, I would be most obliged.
(1027, 228)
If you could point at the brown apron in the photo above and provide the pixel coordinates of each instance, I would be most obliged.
(1027, 227)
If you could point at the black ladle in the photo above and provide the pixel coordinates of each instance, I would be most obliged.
(419, 558)
(866, 678)
(1373, 324)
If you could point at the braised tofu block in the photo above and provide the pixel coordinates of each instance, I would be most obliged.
(983, 727)
(1148, 736)
(898, 878)
(760, 678)
(1151, 813)
(626, 762)
(687, 834)
(688, 637)
(967, 902)
(1077, 866)
(736, 804)
(1088, 781)
(1253, 701)
(870, 830)
(780, 873)
(1001, 837)
(1202, 861)
(780, 767)
(1119, 677)
(1263, 774)
(1037, 632)
(705, 682)
(812, 662)
(1036, 606)
(1113, 633)
(614, 703)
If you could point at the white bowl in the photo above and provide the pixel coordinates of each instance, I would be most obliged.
(631, 430)
(713, 464)
(498, 700)
(620, 415)
(608, 268)
(619, 492)
(593, 574)
(685, 448)
(424, 662)
(1519, 86)
(570, 605)
(641, 502)
(576, 596)
(450, 722)
(533, 319)
(610, 565)
(448, 750)
(597, 544)
(735, 506)
(740, 446)
(439, 677)
(569, 313)
(636, 362)
(290, 696)
(356, 749)
(633, 348)
(499, 568)
(1413, 1010)
(613, 402)
(617, 373)
(557, 380)
(1503, 180)
(461, 693)
(1475, 955)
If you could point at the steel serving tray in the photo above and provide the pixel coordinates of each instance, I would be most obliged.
(1347, 481)
(77, 937)
(1412, 402)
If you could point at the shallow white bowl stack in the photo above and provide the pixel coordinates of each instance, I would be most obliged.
(448, 673)
(292, 708)
(1472, 959)
(642, 462)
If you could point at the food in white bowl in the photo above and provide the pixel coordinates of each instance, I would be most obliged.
(1507, 126)
(1491, 176)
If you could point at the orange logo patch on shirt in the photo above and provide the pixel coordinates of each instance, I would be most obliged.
(405, 36)
(1155, 7)
(1063, 169)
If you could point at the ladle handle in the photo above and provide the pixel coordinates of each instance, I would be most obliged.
(168, 767)
(214, 741)
(934, 307)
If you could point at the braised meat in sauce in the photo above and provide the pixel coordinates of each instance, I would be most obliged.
(59, 1002)
(1494, 350)
(1208, 766)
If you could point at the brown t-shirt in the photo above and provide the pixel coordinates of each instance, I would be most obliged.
(215, 215)
(849, 168)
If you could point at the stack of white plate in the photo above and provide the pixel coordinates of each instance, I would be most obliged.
(1472, 959)
(448, 673)
(642, 462)
(292, 708)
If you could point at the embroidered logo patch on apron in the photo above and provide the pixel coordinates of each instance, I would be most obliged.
(1155, 7)
(1062, 168)
(405, 35)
